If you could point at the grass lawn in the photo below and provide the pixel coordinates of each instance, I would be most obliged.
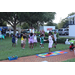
(70, 60)
(7, 50)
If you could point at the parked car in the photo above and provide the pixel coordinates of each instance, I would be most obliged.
(63, 31)
(55, 30)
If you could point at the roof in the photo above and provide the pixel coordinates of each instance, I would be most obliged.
(71, 16)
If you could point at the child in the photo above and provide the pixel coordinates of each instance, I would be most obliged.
(71, 47)
(16, 39)
(50, 38)
(13, 40)
(28, 41)
(24, 41)
(35, 39)
(42, 41)
(31, 37)
(55, 38)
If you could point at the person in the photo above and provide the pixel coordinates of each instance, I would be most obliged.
(9, 32)
(16, 39)
(24, 41)
(31, 37)
(42, 41)
(55, 38)
(21, 40)
(50, 38)
(28, 40)
(4, 32)
(71, 47)
(13, 40)
(35, 39)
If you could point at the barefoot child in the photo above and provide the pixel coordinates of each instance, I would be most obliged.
(35, 39)
(42, 41)
(16, 39)
(13, 40)
(55, 38)
(50, 38)
(31, 37)
(24, 41)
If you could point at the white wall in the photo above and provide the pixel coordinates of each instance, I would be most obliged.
(72, 30)
(45, 28)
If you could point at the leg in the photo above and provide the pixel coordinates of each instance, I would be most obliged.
(49, 51)
(32, 45)
(14, 44)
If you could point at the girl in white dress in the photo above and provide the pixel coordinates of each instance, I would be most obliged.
(50, 38)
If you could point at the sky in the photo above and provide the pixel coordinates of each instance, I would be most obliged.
(60, 15)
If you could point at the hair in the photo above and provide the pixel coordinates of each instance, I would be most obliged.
(50, 32)
(31, 34)
(41, 34)
(72, 44)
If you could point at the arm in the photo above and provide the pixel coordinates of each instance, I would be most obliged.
(52, 36)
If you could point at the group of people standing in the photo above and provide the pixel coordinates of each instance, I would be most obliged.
(32, 40)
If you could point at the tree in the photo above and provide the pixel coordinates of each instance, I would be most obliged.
(15, 18)
(64, 21)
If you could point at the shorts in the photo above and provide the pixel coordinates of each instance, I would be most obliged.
(24, 42)
(50, 44)
(21, 41)
(55, 39)
(31, 41)
(35, 41)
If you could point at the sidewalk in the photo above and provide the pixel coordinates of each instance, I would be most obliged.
(57, 58)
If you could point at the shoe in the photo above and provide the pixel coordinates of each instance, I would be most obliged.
(49, 53)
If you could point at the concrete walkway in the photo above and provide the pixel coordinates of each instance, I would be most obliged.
(57, 58)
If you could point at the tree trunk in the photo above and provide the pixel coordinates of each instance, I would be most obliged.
(14, 29)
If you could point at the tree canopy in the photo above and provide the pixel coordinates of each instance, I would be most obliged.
(14, 18)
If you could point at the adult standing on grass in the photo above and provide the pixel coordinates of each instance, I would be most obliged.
(9, 32)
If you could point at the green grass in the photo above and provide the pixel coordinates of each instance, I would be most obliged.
(70, 60)
(7, 50)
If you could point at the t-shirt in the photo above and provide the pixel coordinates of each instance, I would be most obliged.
(22, 38)
(70, 46)
(13, 39)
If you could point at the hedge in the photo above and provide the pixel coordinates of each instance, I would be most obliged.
(59, 40)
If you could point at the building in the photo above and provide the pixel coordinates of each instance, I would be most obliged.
(71, 23)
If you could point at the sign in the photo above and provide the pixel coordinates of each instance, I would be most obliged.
(49, 28)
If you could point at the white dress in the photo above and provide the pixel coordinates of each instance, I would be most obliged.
(55, 38)
(50, 42)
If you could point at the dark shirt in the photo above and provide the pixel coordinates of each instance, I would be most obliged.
(13, 39)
